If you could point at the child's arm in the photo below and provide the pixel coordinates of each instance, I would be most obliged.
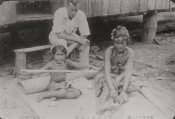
(128, 69)
(76, 64)
(113, 91)
(108, 67)
(47, 66)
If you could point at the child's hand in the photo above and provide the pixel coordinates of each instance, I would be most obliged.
(114, 95)
(124, 96)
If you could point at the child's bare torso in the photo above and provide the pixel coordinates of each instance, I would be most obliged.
(118, 62)
(58, 76)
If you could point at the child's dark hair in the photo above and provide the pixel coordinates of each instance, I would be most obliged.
(58, 47)
(120, 31)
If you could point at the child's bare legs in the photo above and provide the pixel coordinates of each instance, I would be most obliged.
(49, 94)
(70, 93)
(118, 79)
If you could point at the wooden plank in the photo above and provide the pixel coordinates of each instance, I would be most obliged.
(134, 6)
(84, 6)
(20, 62)
(168, 4)
(84, 106)
(151, 4)
(164, 95)
(33, 17)
(143, 5)
(33, 49)
(98, 8)
(125, 6)
(91, 8)
(170, 103)
(172, 5)
(8, 12)
(165, 4)
(137, 106)
(95, 8)
(47, 71)
(161, 89)
(158, 5)
(105, 5)
(157, 102)
(114, 7)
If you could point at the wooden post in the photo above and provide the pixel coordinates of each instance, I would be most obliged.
(20, 62)
(149, 27)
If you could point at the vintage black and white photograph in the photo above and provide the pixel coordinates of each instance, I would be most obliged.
(87, 59)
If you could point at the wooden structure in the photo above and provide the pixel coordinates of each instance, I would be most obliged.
(20, 61)
(149, 27)
(112, 7)
(29, 10)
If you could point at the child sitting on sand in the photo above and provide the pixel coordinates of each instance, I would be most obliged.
(58, 87)
(115, 79)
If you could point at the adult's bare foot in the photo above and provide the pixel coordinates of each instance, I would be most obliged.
(107, 107)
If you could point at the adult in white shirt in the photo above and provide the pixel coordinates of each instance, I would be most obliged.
(65, 24)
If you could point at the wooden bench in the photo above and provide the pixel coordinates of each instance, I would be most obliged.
(20, 59)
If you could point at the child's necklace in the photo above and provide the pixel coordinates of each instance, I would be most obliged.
(120, 54)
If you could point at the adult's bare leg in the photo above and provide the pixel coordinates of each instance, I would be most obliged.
(84, 55)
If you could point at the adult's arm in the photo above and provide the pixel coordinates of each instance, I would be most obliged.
(76, 64)
(64, 35)
(128, 69)
(83, 25)
(108, 67)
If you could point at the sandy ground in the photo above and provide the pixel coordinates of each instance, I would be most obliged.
(152, 62)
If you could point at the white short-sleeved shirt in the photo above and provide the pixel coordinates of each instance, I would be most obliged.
(62, 22)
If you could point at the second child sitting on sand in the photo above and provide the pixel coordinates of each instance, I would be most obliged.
(114, 82)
